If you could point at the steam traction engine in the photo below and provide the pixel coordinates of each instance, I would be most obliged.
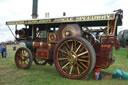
(76, 45)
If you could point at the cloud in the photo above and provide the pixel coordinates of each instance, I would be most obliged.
(22, 10)
(113, 3)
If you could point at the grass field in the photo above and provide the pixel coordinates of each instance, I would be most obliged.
(48, 75)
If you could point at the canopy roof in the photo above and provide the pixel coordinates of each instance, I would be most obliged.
(96, 20)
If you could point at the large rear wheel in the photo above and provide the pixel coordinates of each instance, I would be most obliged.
(74, 57)
(23, 58)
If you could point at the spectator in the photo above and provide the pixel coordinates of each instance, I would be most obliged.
(3, 50)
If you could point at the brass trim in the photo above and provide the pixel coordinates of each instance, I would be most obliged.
(49, 46)
(49, 39)
(115, 23)
(32, 32)
(33, 43)
(41, 44)
(108, 24)
(68, 28)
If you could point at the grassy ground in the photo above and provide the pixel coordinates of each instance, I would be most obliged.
(48, 75)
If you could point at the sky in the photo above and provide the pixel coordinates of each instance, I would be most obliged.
(11, 10)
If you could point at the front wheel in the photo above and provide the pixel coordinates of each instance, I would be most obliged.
(23, 58)
(74, 57)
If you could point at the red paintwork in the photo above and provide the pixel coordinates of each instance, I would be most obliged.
(41, 53)
(104, 57)
(51, 51)
(40, 44)
(42, 49)
(37, 43)
(104, 49)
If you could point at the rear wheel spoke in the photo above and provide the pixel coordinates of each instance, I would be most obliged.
(83, 56)
(81, 49)
(62, 63)
(78, 48)
(78, 70)
(80, 66)
(82, 53)
(70, 72)
(81, 60)
(63, 51)
(83, 65)
(72, 47)
(67, 45)
(65, 65)
(75, 45)
(66, 49)
(63, 58)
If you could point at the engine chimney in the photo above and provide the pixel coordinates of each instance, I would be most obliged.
(35, 9)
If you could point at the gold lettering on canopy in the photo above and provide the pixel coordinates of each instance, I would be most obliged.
(65, 19)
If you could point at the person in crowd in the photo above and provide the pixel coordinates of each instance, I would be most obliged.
(3, 50)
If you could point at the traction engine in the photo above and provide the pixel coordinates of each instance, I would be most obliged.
(76, 45)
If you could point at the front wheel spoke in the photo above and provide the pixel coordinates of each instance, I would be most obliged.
(78, 48)
(83, 60)
(21, 62)
(23, 53)
(25, 62)
(63, 55)
(82, 53)
(65, 65)
(19, 58)
(63, 58)
(27, 59)
(70, 72)
(26, 54)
